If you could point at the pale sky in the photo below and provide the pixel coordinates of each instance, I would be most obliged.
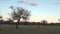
(44, 10)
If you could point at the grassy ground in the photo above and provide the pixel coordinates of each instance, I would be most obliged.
(29, 29)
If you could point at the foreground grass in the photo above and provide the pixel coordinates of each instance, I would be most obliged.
(29, 29)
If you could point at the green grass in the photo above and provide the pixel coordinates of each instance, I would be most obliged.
(29, 29)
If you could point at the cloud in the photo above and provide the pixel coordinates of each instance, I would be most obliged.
(34, 4)
(55, 3)
(23, 1)
(27, 2)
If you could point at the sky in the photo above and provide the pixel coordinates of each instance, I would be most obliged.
(40, 9)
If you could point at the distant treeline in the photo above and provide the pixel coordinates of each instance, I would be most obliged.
(28, 23)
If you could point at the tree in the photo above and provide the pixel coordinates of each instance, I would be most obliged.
(19, 13)
(10, 20)
(26, 15)
(59, 20)
(0, 22)
(0, 17)
(44, 22)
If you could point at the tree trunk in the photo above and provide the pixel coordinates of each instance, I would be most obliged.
(17, 23)
(16, 26)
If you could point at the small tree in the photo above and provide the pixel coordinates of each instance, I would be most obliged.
(0, 22)
(44, 22)
(19, 13)
(10, 20)
(59, 20)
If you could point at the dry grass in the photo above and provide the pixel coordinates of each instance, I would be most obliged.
(29, 29)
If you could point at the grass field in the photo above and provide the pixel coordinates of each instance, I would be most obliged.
(29, 29)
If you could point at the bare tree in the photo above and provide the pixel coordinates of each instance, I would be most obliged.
(19, 13)
(26, 15)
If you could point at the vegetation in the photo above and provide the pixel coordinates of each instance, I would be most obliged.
(25, 27)
(19, 13)
(29, 29)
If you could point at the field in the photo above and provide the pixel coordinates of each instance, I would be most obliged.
(29, 29)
